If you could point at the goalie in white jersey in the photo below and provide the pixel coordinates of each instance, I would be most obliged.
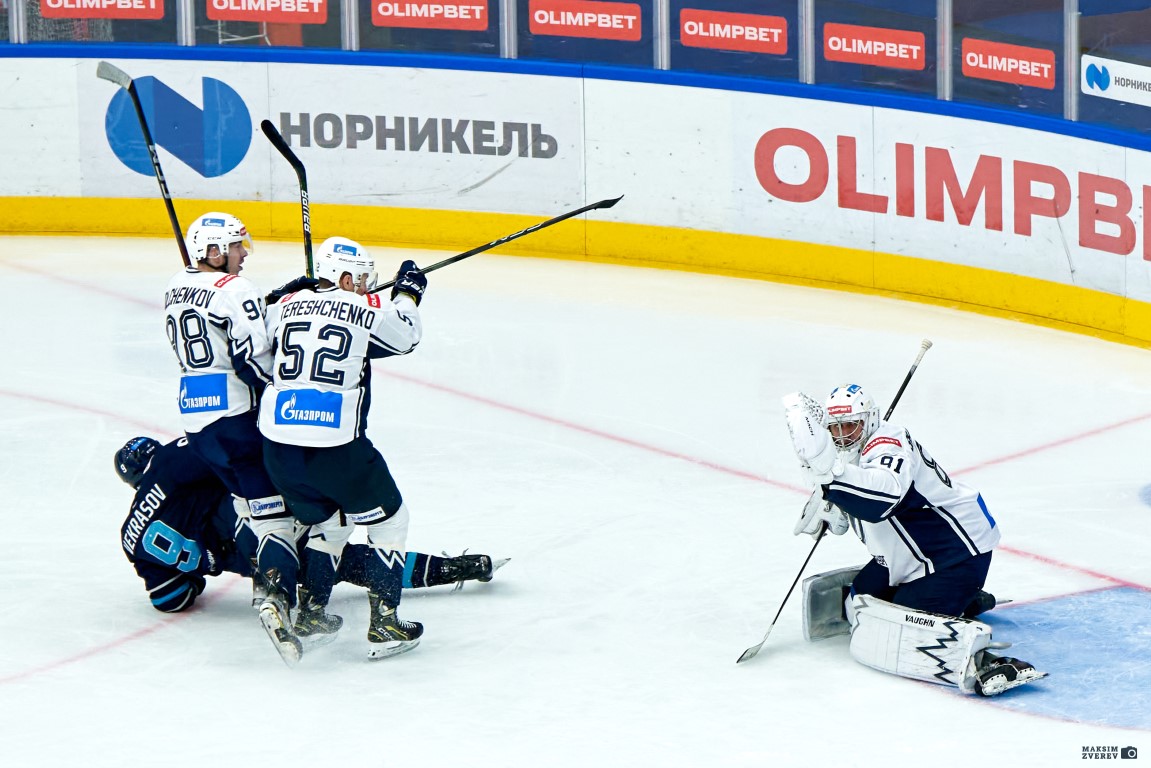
(314, 419)
(930, 538)
(215, 324)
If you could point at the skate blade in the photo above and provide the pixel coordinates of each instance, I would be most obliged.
(311, 642)
(285, 643)
(998, 685)
(496, 565)
(377, 651)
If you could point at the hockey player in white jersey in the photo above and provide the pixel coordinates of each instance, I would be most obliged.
(314, 419)
(930, 538)
(215, 324)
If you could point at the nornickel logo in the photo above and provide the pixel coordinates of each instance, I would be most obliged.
(211, 141)
(1098, 77)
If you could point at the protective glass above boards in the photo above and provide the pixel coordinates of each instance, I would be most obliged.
(747, 38)
(1009, 54)
(75, 21)
(313, 23)
(888, 45)
(470, 27)
(592, 31)
(1115, 68)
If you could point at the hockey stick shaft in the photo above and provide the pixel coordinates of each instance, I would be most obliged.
(508, 238)
(114, 74)
(923, 347)
(753, 650)
(297, 164)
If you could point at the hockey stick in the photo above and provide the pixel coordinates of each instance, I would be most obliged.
(114, 74)
(301, 174)
(753, 650)
(508, 238)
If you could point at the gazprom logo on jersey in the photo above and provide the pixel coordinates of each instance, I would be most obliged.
(1098, 77)
(309, 407)
(211, 140)
(204, 393)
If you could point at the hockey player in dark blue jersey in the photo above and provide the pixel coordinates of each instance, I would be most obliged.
(184, 526)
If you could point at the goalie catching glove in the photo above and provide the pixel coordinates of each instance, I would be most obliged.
(809, 438)
(816, 512)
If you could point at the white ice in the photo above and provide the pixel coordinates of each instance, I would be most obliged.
(617, 433)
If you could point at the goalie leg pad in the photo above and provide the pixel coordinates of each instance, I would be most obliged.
(823, 603)
(922, 646)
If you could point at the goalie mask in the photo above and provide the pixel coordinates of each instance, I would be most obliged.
(338, 256)
(852, 417)
(218, 229)
(133, 459)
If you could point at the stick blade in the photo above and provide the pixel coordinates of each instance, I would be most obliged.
(607, 203)
(753, 650)
(113, 74)
(282, 147)
(749, 653)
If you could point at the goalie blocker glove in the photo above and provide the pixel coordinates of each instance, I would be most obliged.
(816, 512)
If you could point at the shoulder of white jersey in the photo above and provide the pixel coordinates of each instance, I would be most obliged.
(232, 283)
(888, 438)
(215, 280)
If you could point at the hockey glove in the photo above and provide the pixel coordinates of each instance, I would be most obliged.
(816, 512)
(809, 438)
(301, 283)
(411, 281)
(214, 562)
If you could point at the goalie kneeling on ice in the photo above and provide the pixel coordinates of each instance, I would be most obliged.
(945, 650)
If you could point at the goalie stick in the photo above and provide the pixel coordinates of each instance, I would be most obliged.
(508, 238)
(301, 174)
(114, 74)
(753, 650)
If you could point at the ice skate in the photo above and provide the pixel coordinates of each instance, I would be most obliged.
(314, 626)
(983, 602)
(388, 634)
(1002, 673)
(275, 616)
(467, 567)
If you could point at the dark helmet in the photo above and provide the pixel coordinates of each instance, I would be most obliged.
(133, 459)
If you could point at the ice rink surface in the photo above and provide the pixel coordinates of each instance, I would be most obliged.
(617, 433)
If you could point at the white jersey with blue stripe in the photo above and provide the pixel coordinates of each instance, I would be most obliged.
(323, 340)
(215, 324)
(914, 519)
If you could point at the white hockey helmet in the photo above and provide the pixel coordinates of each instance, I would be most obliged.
(338, 255)
(852, 417)
(218, 229)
